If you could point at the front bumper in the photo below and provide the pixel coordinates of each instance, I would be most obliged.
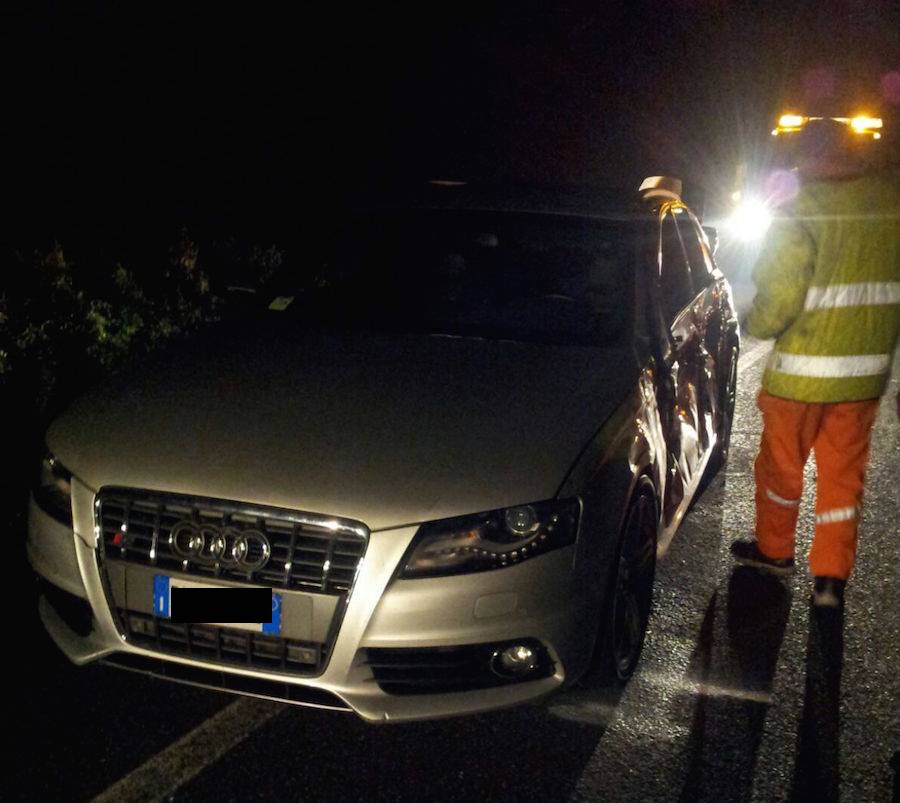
(536, 600)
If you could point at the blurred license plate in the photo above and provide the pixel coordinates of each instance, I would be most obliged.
(216, 602)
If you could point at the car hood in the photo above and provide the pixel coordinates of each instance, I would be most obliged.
(387, 430)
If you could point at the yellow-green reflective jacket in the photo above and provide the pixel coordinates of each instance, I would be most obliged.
(828, 290)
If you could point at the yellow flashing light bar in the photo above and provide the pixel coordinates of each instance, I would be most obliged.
(865, 124)
(791, 123)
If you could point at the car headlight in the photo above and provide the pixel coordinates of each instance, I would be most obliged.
(53, 492)
(750, 220)
(491, 540)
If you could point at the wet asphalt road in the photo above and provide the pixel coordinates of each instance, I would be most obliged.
(741, 694)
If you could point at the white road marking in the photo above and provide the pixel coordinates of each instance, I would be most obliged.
(186, 758)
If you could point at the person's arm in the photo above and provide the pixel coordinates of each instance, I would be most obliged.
(781, 275)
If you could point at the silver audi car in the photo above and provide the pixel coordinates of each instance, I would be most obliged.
(453, 443)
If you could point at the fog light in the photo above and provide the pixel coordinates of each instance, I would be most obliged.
(515, 661)
(301, 655)
(142, 625)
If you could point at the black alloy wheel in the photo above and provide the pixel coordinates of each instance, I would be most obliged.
(631, 594)
(728, 398)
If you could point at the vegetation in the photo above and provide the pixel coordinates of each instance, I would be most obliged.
(66, 322)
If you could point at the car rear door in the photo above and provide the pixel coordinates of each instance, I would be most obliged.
(685, 366)
(707, 320)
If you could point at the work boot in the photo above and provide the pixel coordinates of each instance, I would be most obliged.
(746, 553)
(828, 592)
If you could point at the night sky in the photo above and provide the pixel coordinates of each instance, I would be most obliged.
(190, 112)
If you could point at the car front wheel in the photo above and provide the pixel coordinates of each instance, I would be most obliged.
(631, 592)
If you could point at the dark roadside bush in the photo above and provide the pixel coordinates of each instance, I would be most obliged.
(64, 323)
(67, 321)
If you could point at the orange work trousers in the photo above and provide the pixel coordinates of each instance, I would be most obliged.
(839, 434)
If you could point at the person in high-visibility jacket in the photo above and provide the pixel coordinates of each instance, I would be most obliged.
(828, 292)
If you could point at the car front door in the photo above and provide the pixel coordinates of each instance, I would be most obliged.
(717, 330)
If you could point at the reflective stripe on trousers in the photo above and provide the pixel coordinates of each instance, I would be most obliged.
(838, 514)
(780, 500)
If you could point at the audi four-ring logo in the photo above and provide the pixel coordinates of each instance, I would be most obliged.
(228, 547)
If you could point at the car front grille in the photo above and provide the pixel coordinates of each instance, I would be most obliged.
(224, 645)
(305, 552)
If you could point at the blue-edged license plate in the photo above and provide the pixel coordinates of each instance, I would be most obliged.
(162, 605)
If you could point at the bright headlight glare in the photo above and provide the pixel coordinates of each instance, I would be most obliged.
(791, 121)
(491, 540)
(750, 220)
(53, 491)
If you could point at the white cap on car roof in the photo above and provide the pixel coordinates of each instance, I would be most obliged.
(661, 187)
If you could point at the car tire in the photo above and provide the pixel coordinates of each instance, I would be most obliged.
(727, 400)
(630, 596)
(718, 460)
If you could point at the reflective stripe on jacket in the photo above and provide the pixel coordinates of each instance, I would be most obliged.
(828, 290)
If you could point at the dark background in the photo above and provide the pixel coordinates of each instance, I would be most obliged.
(256, 117)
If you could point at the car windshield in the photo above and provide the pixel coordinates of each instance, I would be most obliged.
(526, 277)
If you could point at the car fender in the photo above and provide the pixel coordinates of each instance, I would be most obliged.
(629, 445)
